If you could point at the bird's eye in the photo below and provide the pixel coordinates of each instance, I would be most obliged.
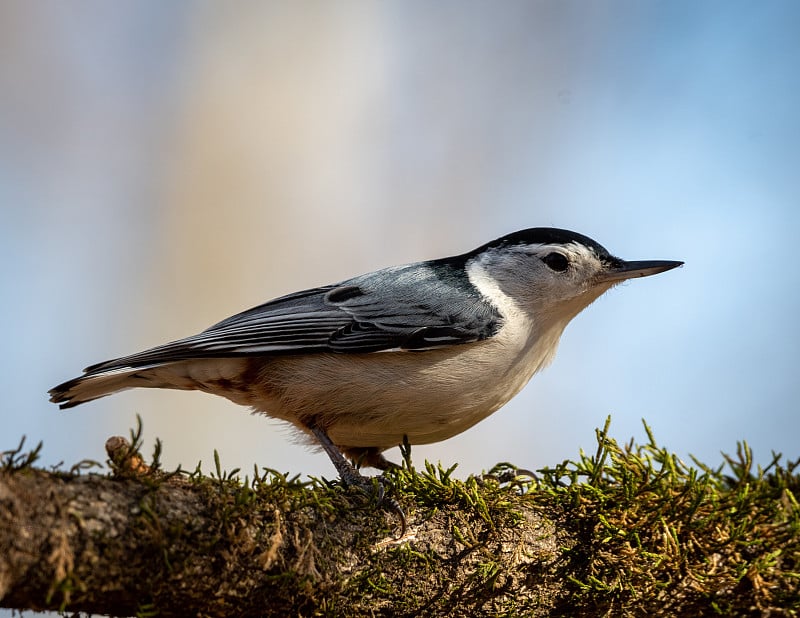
(556, 261)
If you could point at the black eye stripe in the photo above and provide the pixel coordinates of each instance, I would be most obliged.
(556, 261)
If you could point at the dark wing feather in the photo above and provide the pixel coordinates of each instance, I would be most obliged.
(402, 308)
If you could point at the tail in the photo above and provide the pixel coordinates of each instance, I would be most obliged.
(93, 385)
(176, 365)
(226, 376)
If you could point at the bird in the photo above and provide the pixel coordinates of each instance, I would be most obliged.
(419, 352)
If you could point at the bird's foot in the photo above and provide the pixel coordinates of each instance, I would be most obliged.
(505, 473)
(374, 488)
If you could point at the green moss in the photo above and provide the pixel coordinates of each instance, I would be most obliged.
(653, 531)
(18, 458)
(632, 530)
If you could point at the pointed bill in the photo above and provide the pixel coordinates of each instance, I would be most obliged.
(631, 270)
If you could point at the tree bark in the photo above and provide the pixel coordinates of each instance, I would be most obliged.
(211, 547)
(631, 531)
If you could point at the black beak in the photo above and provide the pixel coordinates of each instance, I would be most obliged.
(629, 270)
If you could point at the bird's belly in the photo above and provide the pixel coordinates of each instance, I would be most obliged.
(374, 400)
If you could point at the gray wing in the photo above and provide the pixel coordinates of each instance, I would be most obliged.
(410, 307)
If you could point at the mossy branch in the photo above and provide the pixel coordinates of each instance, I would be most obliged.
(629, 530)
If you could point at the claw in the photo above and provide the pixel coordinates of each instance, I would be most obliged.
(375, 489)
(393, 506)
(505, 473)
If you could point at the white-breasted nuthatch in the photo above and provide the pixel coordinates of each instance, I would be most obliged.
(422, 351)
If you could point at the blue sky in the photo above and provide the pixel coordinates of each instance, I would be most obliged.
(164, 165)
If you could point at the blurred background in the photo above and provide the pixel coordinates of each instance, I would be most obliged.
(166, 164)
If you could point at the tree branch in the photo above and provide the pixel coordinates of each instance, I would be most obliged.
(629, 531)
(122, 545)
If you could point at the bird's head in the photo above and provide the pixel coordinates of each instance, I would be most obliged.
(553, 274)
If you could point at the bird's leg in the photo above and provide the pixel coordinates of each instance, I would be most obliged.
(347, 473)
(351, 477)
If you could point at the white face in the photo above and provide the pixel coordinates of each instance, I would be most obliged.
(548, 281)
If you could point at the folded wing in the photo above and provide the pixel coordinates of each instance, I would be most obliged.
(396, 309)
